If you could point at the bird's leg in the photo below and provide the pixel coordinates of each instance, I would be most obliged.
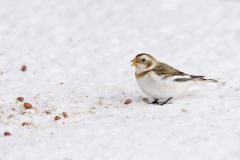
(165, 102)
(155, 102)
(161, 103)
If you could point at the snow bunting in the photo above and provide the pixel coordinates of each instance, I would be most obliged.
(160, 80)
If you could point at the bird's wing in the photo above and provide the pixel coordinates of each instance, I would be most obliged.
(195, 78)
(167, 70)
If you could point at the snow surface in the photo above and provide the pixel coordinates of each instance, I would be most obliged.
(78, 55)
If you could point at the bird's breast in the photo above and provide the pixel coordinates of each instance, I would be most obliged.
(159, 86)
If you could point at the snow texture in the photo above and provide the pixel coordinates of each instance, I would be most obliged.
(78, 53)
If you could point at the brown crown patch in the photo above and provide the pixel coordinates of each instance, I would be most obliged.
(144, 54)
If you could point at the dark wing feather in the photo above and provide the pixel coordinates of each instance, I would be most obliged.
(196, 78)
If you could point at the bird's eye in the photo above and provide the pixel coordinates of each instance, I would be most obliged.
(143, 60)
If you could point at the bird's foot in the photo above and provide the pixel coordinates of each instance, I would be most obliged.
(156, 102)
(161, 103)
(166, 102)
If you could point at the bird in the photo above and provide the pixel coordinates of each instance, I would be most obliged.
(162, 81)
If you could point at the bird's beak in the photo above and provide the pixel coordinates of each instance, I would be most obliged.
(134, 62)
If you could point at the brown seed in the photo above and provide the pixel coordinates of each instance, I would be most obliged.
(7, 133)
(27, 105)
(26, 124)
(183, 110)
(56, 118)
(145, 100)
(128, 101)
(20, 99)
(65, 115)
(24, 68)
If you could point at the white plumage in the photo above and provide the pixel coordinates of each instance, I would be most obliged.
(161, 87)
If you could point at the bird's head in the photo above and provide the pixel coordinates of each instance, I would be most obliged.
(143, 61)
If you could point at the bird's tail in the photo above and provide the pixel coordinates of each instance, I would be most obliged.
(203, 79)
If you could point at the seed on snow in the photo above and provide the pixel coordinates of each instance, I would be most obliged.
(65, 115)
(7, 133)
(56, 118)
(27, 105)
(20, 99)
(128, 101)
(24, 68)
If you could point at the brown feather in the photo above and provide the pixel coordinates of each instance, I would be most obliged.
(142, 74)
(167, 70)
(144, 54)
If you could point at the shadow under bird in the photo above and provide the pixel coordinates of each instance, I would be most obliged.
(162, 81)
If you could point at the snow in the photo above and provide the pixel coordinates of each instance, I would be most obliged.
(78, 57)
